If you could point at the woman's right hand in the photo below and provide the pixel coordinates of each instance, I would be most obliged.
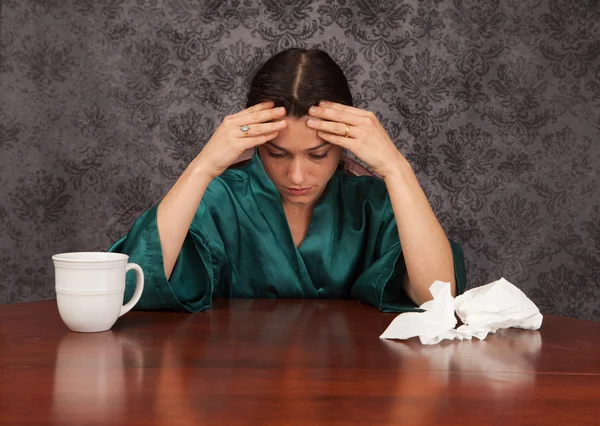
(228, 142)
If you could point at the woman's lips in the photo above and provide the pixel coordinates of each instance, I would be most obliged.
(298, 191)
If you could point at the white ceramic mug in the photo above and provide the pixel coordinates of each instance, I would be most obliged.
(90, 287)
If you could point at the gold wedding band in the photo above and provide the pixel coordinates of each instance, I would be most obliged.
(347, 131)
(245, 129)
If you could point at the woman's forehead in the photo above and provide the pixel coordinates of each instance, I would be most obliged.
(297, 136)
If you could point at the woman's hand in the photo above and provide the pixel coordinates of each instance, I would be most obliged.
(358, 131)
(229, 141)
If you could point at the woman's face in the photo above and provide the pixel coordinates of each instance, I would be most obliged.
(299, 163)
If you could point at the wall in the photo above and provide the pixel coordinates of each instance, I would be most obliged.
(495, 103)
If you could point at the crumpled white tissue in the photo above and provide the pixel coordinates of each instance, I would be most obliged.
(482, 310)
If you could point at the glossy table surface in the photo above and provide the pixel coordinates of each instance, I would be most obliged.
(289, 362)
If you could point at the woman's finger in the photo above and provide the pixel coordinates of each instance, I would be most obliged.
(258, 107)
(340, 129)
(259, 129)
(336, 115)
(260, 116)
(345, 108)
(252, 141)
(346, 143)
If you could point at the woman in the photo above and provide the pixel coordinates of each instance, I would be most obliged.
(291, 222)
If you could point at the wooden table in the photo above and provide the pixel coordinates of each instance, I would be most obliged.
(289, 362)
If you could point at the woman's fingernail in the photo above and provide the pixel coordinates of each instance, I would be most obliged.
(312, 109)
(311, 121)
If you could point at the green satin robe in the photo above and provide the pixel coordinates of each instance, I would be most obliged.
(239, 245)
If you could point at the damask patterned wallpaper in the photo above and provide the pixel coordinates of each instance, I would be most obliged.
(496, 103)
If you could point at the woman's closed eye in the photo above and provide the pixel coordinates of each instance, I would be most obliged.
(314, 156)
(277, 154)
(319, 156)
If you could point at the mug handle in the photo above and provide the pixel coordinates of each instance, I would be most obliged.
(139, 287)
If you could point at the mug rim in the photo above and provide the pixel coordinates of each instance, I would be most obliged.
(89, 256)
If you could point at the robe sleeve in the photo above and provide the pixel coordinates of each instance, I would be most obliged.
(195, 274)
(380, 284)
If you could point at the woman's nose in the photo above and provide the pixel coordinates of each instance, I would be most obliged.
(297, 171)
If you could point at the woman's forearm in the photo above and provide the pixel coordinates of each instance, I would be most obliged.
(176, 212)
(425, 247)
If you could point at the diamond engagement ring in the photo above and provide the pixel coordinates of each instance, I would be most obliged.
(245, 129)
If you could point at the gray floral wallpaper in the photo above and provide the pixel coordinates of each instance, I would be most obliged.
(496, 103)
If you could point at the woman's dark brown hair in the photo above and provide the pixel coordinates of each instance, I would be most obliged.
(298, 79)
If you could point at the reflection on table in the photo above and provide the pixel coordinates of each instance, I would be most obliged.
(91, 378)
(289, 362)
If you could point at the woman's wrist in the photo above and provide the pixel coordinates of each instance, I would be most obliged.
(199, 172)
(399, 171)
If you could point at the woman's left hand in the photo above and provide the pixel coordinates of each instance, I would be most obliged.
(357, 130)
